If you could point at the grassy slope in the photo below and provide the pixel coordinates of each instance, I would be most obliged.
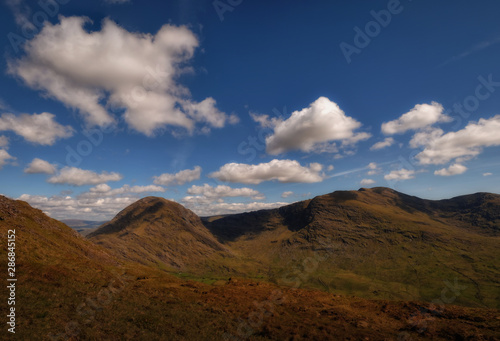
(373, 244)
(71, 289)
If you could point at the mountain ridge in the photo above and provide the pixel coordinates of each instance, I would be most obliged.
(381, 243)
(71, 288)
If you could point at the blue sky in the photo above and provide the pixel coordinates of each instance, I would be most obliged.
(228, 106)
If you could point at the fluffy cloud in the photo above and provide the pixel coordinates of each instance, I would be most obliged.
(454, 169)
(99, 203)
(4, 141)
(265, 121)
(222, 191)
(208, 200)
(39, 166)
(424, 137)
(463, 144)
(389, 141)
(487, 174)
(322, 122)
(287, 194)
(401, 174)
(421, 116)
(205, 207)
(281, 170)
(104, 190)
(37, 128)
(366, 182)
(5, 157)
(180, 178)
(91, 71)
(373, 168)
(67, 207)
(79, 177)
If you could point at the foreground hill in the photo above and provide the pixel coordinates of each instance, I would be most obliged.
(155, 231)
(55, 266)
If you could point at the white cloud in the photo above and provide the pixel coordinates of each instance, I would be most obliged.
(281, 170)
(205, 207)
(99, 203)
(264, 120)
(37, 128)
(80, 177)
(454, 169)
(287, 194)
(180, 178)
(463, 144)
(91, 71)
(421, 116)
(39, 166)
(487, 174)
(5, 157)
(323, 121)
(424, 137)
(4, 141)
(401, 174)
(222, 191)
(373, 168)
(104, 190)
(67, 207)
(366, 182)
(389, 141)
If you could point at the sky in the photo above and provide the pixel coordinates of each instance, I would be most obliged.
(228, 106)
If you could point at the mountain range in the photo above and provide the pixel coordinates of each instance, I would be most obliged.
(369, 264)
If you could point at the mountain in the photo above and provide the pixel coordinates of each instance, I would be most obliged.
(372, 243)
(376, 243)
(69, 288)
(54, 265)
(158, 232)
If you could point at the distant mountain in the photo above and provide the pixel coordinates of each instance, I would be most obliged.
(162, 233)
(84, 227)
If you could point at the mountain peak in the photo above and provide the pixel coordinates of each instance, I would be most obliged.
(158, 231)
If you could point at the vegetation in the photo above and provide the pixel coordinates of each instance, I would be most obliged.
(372, 264)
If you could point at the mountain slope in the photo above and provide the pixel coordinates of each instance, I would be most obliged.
(158, 232)
(55, 267)
(376, 243)
(71, 289)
